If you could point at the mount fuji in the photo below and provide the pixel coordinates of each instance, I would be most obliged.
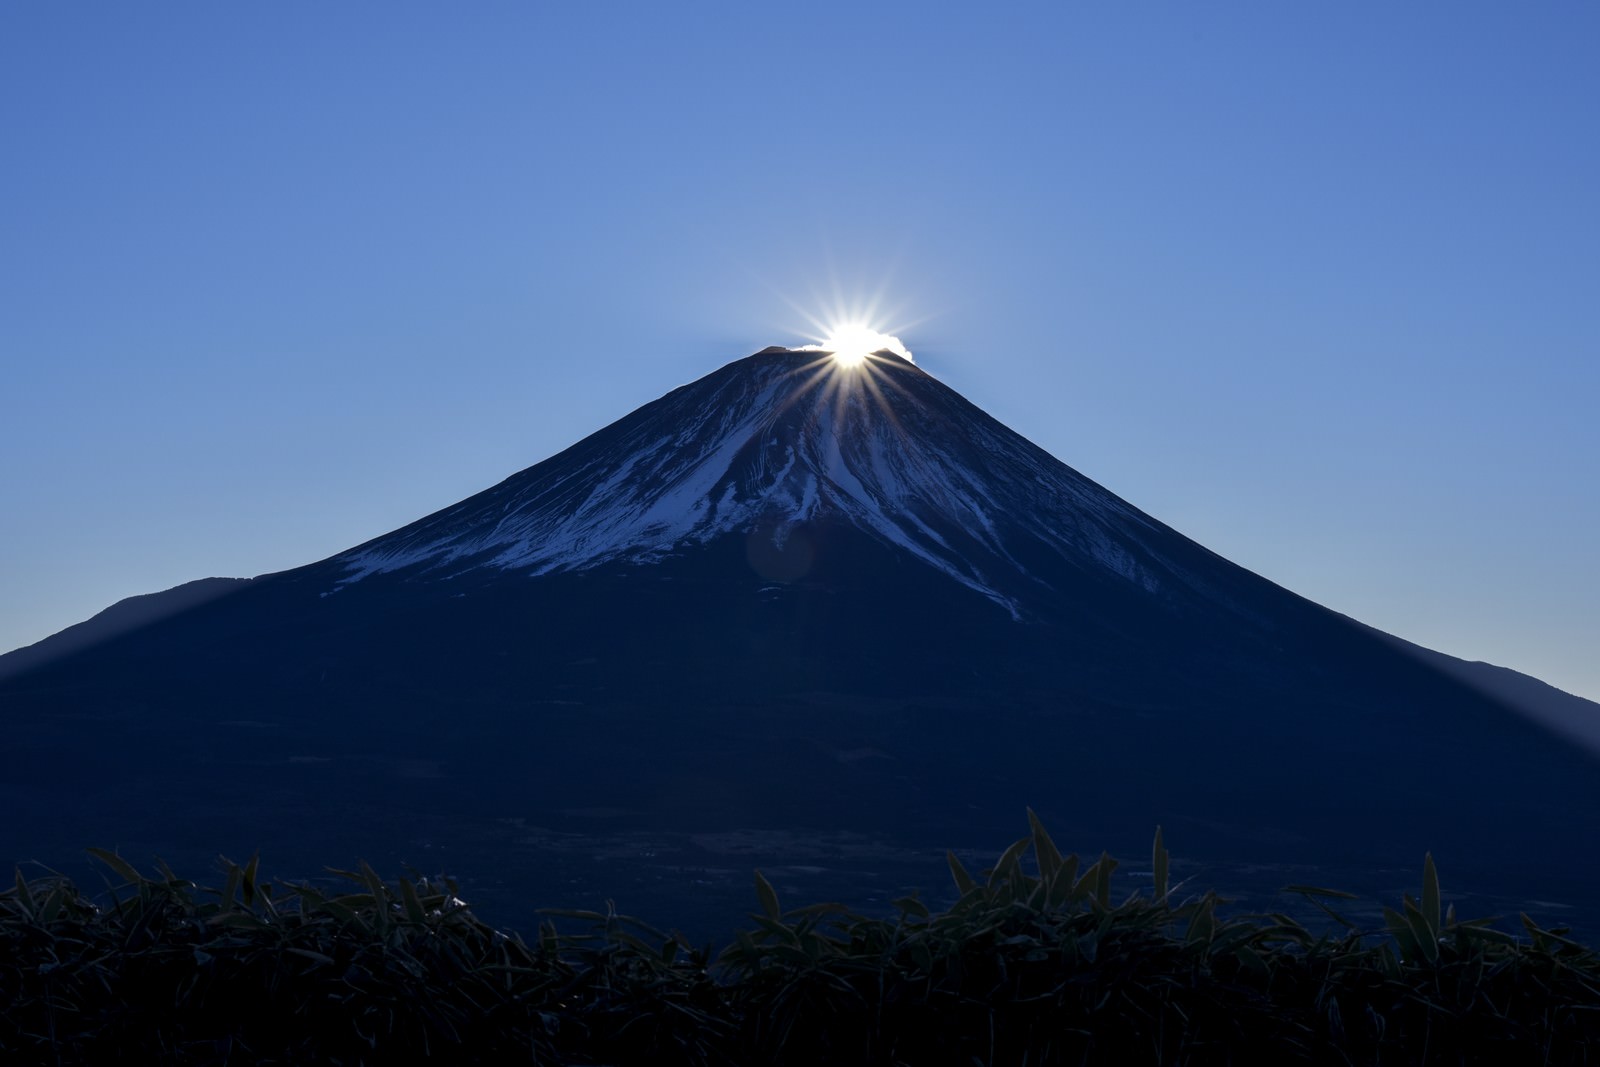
(831, 620)
(777, 445)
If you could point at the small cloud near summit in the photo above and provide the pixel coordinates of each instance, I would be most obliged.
(854, 342)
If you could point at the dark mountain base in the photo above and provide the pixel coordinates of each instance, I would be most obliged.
(595, 736)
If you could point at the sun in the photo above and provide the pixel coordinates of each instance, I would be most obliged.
(852, 342)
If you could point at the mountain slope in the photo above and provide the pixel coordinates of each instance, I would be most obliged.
(827, 622)
(1563, 714)
(124, 616)
(776, 442)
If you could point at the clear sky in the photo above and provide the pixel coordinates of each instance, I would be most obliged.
(1318, 285)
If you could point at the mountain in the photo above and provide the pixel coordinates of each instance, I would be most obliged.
(122, 617)
(770, 448)
(821, 620)
(1560, 712)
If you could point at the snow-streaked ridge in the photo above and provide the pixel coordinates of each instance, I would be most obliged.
(773, 441)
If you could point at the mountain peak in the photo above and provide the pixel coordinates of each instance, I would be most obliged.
(772, 444)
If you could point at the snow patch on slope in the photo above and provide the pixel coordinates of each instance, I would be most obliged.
(769, 442)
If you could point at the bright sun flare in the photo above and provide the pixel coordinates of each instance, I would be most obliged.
(852, 343)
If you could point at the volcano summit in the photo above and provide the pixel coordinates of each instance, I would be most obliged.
(829, 619)
(769, 447)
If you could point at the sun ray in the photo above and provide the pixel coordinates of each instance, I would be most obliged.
(821, 370)
(874, 385)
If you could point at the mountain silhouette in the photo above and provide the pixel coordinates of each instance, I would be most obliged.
(829, 620)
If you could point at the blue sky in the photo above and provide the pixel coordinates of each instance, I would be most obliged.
(1318, 287)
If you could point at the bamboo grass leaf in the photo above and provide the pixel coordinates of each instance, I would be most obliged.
(1430, 896)
(120, 866)
(1203, 922)
(54, 901)
(1102, 889)
(247, 882)
(1065, 889)
(374, 884)
(1008, 867)
(1427, 939)
(1250, 960)
(379, 898)
(1309, 891)
(25, 896)
(768, 897)
(230, 886)
(1404, 935)
(1485, 933)
(1045, 852)
(1314, 894)
(413, 904)
(1085, 885)
(963, 880)
(168, 876)
(912, 905)
(1158, 867)
(574, 913)
(644, 949)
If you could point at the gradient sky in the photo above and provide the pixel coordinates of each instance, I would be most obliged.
(1318, 286)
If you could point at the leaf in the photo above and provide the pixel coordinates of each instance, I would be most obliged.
(413, 904)
(1312, 894)
(639, 945)
(574, 913)
(169, 877)
(1065, 888)
(964, 882)
(53, 902)
(1404, 934)
(25, 895)
(912, 906)
(1427, 938)
(1309, 891)
(1102, 889)
(1543, 937)
(1250, 960)
(380, 897)
(248, 882)
(122, 867)
(374, 884)
(768, 896)
(1485, 933)
(1203, 923)
(1158, 867)
(1430, 896)
(1086, 883)
(1044, 850)
(832, 907)
(1007, 867)
(230, 887)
